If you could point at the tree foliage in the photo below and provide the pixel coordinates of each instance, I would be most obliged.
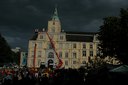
(113, 36)
(6, 55)
(5, 51)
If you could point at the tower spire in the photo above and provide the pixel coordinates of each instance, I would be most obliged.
(55, 15)
(55, 11)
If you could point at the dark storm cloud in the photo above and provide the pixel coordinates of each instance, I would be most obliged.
(19, 18)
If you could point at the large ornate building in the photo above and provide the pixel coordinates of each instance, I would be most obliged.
(74, 48)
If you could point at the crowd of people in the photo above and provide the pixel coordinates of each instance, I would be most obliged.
(47, 76)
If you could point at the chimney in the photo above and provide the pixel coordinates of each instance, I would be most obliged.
(36, 30)
(43, 29)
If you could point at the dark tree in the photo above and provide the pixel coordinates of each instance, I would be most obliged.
(113, 36)
(5, 51)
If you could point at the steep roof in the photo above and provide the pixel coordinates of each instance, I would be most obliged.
(79, 38)
(74, 36)
(55, 15)
(85, 33)
(34, 37)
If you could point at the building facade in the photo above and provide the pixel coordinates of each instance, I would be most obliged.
(17, 49)
(23, 58)
(74, 48)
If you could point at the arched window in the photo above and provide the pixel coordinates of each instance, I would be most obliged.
(51, 55)
(74, 55)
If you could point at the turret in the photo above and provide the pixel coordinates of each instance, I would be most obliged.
(54, 25)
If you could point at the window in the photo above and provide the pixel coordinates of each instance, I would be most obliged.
(91, 46)
(51, 55)
(66, 63)
(31, 64)
(39, 44)
(54, 22)
(84, 53)
(91, 53)
(74, 62)
(67, 45)
(83, 62)
(50, 46)
(74, 55)
(41, 36)
(66, 54)
(33, 44)
(32, 53)
(84, 45)
(60, 54)
(74, 45)
(39, 53)
(61, 37)
(53, 29)
(39, 62)
(51, 36)
(60, 45)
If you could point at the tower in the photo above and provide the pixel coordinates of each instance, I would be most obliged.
(54, 25)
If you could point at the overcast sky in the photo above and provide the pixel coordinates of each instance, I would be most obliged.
(19, 18)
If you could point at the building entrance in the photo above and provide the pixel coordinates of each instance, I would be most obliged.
(50, 63)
